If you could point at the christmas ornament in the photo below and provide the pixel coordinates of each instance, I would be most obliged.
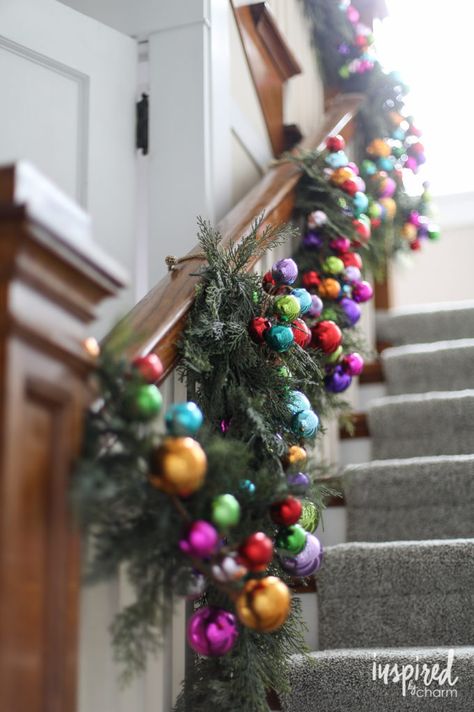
(297, 402)
(144, 402)
(335, 143)
(316, 306)
(326, 335)
(329, 288)
(263, 604)
(307, 562)
(291, 540)
(279, 338)
(286, 511)
(200, 540)
(285, 271)
(258, 328)
(183, 419)
(212, 631)
(150, 367)
(287, 307)
(351, 309)
(256, 551)
(304, 299)
(178, 466)
(354, 364)
(309, 517)
(338, 381)
(225, 511)
(301, 333)
(299, 482)
(305, 424)
(362, 291)
(296, 455)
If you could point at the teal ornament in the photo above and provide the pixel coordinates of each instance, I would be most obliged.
(368, 168)
(247, 486)
(333, 265)
(279, 338)
(385, 163)
(183, 419)
(287, 307)
(338, 159)
(360, 203)
(291, 540)
(225, 511)
(305, 424)
(304, 298)
(297, 402)
(144, 402)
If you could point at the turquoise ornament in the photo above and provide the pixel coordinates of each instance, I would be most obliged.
(297, 402)
(279, 338)
(225, 511)
(305, 424)
(304, 298)
(338, 159)
(291, 540)
(287, 307)
(360, 203)
(183, 419)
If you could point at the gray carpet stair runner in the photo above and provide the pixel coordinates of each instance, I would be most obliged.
(402, 589)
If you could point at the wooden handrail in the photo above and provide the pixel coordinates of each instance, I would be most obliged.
(156, 322)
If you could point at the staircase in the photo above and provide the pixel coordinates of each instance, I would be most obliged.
(401, 591)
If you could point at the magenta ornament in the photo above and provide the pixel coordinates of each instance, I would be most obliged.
(362, 291)
(212, 631)
(307, 562)
(200, 541)
(353, 363)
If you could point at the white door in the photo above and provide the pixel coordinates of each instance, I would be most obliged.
(67, 104)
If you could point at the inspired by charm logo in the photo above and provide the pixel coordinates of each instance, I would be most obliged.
(421, 679)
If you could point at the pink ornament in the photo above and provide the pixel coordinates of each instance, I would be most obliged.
(200, 540)
(353, 364)
(212, 631)
(362, 291)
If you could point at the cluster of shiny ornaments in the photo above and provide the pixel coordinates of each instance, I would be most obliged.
(358, 55)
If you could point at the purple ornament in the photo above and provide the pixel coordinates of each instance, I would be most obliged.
(307, 562)
(285, 271)
(340, 244)
(362, 291)
(352, 274)
(200, 541)
(298, 481)
(316, 307)
(338, 381)
(212, 631)
(351, 310)
(312, 240)
(354, 364)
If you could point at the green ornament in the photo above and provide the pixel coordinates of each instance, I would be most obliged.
(145, 402)
(287, 307)
(434, 233)
(329, 314)
(344, 72)
(291, 540)
(309, 516)
(335, 356)
(333, 265)
(279, 338)
(225, 511)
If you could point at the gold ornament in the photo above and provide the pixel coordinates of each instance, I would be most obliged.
(296, 455)
(263, 604)
(379, 148)
(179, 466)
(329, 288)
(340, 175)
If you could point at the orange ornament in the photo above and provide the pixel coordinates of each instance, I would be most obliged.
(263, 604)
(329, 288)
(340, 175)
(178, 466)
(378, 147)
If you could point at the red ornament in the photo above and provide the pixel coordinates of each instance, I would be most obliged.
(268, 283)
(311, 280)
(415, 244)
(256, 551)
(301, 332)
(258, 327)
(150, 367)
(287, 511)
(351, 259)
(335, 143)
(327, 336)
(350, 187)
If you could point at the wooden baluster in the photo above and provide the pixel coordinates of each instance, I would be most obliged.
(52, 277)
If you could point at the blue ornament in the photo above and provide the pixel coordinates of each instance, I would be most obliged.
(279, 337)
(183, 419)
(360, 203)
(304, 298)
(338, 159)
(385, 164)
(305, 424)
(297, 402)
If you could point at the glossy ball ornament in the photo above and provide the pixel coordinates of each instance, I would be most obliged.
(353, 363)
(263, 604)
(340, 245)
(311, 279)
(338, 159)
(312, 240)
(258, 327)
(297, 401)
(287, 307)
(291, 540)
(362, 291)
(305, 424)
(327, 336)
(338, 381)
(286, 511)
(200, 540)
(144, 402)
(360, 203)
(150, 367)
(301, 333)
(329, 288)
(351, 309)
(285, 271)
(352, 259)
(317, 218)
(335, 143)
(316, 306)
(335, 356)
(304, 299)
(212, 631)
(268, 283)
(183, 419)
(225, 511)
(307, 562)
(309, 518)
(333, 265)
(279, 338)
(178, 466)
(256, 551)
(434, 233)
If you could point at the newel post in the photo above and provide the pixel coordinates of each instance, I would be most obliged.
(52, 277)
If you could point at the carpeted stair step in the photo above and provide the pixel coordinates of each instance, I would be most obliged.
(416, 425)
(439, 366)
(397, 594)
(342, 681)
(426, 323)
(410, 499)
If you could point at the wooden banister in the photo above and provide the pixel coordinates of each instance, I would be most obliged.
(156, 322)
(52, 277)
